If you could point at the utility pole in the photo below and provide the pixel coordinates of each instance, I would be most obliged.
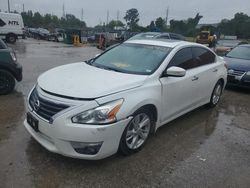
(82, 15)
(9, 6)
(63, 12)
(23, 7)
(107, 17)
(167, 12)
(118, 15)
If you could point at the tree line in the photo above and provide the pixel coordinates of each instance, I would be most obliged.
(50, 21)
(238, 26)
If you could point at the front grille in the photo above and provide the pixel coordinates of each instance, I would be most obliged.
(44, 108)
(236, 72)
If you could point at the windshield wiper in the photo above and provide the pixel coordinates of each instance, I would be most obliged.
(112, 69)
(90, 61)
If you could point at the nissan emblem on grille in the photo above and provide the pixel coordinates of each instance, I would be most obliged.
(36, 105)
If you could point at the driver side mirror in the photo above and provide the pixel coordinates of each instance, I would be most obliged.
(174, 72)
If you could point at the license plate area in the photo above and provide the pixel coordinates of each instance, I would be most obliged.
(232, 79)
(33, 122)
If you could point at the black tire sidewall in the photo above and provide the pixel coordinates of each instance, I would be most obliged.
(123, 148)
(11, 38)
(11, 82)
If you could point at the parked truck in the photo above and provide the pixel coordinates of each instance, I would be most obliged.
(11, 27)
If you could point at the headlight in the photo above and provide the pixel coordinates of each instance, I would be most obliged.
(101, 115)
(13, 56)
(248, 73)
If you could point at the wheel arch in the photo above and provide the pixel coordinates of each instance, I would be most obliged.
(152, 109)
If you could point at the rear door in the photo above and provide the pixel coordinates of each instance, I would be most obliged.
(206, 70)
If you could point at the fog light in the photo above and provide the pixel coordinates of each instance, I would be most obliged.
(86, 147)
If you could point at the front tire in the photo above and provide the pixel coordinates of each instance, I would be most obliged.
(136, 133)
(216, 95)
(7, 82)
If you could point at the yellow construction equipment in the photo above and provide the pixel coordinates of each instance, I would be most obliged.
(76, 41)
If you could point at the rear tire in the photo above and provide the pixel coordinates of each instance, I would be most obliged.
(136, 133)
(11, 38)
(216, 94)
(7, 82)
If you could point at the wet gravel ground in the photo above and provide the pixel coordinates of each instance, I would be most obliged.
(204, 148)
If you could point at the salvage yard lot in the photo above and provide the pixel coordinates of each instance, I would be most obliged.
(205, 148)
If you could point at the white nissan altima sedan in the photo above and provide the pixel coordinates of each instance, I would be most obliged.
(113, 102)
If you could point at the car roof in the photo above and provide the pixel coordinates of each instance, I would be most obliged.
(162, 42)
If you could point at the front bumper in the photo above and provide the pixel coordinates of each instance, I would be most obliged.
(58, 137)
(243, 81)
(18, 72)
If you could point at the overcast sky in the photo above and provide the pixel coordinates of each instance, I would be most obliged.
(95, 11)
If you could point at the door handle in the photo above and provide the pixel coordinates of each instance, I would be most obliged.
(215, 70)
(195, 78)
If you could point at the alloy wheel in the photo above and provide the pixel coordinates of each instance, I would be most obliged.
(138, 131)
(217, 94)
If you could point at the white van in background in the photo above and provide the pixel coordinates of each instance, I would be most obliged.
(11, 26)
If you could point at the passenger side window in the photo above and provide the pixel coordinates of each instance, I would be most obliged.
(202, 56)
(183, 59)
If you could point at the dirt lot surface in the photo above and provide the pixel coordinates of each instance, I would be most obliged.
(205, 148)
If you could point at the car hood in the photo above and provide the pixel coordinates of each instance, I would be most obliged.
(80, 80)
(237, 64)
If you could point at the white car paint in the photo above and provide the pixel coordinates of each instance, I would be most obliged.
(95, 83)
(84, 87)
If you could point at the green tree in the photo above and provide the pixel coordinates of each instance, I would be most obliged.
(238, 26)
(152, 26)
(50, 21)
(115, 23)
(185, 27)
(160, 24)
(132, 19)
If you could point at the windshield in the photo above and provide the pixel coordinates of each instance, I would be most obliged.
(228, 43)
(240, 52)
(133, 58)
